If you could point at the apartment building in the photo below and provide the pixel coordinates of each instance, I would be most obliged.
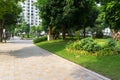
(30, 13)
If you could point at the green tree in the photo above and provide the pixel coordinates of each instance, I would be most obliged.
(81, 14)
(112, 15)
(33, 30)
(62, 15)
(9, 11)
(51, 13)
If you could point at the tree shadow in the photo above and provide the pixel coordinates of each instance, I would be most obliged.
(32, 51)
(29, 50)
(20, 41)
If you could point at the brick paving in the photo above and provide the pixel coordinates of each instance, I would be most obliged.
(22, 60)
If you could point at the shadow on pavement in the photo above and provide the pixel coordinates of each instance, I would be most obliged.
(20, 41)
(23, 49)
(29, 52)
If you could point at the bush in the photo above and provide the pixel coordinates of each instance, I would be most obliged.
(89, 45)
(109, 48)
(117, 48)
(37, 40)
(106, 51)
(86, 41)
(77, 34)
(99, 34)
(86, 44)
(74, 45)
(110, 43)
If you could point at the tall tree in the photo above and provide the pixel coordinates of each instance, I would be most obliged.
(112, 15)
(9, 10)
(81, 14)
(51, 13)
(65, 14)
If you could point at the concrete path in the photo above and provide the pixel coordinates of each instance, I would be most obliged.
(22, 60)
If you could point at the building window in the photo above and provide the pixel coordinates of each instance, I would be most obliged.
(31, 20)
(31, 23)
(28, 4)
(23, 6)
(28, 0)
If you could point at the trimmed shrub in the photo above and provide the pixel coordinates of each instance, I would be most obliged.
(37, 40)
(106, 51)
(109, 48)
(74, 45)
(117, 48)
(89, 45)
(86, 44)
(77, 34)
(110, 43)
(86, 41)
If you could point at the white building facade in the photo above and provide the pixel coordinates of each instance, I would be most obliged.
(30, 13)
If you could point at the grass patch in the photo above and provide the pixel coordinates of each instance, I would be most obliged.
(118, 42)
(101, 42)
(108, 66)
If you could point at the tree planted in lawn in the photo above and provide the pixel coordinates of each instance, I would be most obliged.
(9, 11)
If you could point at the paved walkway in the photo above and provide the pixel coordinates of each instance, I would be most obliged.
(22, 60)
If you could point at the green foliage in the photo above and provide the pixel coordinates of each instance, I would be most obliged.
(117, 48)
(37, 40)
(105, 65)
(99, 34)
(9, 8)
(112, 14)
(62, 14)
(33, 29)
(9, 12)
(106, 51)
(90, 47)
(77, 34)
(39, 28)
(111, 43)
(74, 45)
(86, 44)
(109, 48)
(86, 41)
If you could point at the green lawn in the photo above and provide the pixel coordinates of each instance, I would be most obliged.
(108, 66)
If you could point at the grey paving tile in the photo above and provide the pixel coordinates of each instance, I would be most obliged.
(22, 60)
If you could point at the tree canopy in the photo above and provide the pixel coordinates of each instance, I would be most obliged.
(67, 14)
(112, 14)
(9, 12)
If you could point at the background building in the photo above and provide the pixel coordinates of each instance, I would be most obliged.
(30, 13)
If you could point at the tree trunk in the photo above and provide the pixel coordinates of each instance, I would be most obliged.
(63, 33)
(49, 33)
(84, 32)
(1, 33)
(28, 36)
(1, 29)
